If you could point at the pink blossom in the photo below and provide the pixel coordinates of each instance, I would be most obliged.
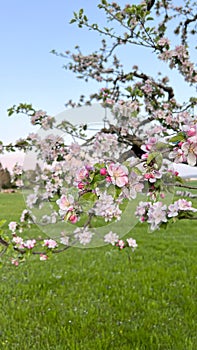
(163, 42)
(83, 235)
(111, 238)
(120, 244)
(183, 204)
(30, 243)
(156, 215)
(18, 241)
(152, 177)
(81, 174)
(178, 155)
(43, 257)
(118, 174)
(15, 262)
(64, 239)
(190, 152)
(106, 207)
(149, 144)
(65, 203)
(12, 226)
(173, 210)
(50, 243)
(132, 243)
(191, 131)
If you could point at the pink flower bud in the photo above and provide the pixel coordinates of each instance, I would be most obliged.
(108, 179)
(73, 219)
(149, 176)
(103, 171)
(148, 147)
(145, 156)
(80, 185)
(191, 132)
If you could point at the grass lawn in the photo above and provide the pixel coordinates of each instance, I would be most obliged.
(99, 299)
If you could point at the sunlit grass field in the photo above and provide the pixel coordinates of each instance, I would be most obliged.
(102, 299)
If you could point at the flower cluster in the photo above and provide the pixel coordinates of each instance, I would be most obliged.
(106, 207)
(113, 239)
(186, 151)
(157, 213)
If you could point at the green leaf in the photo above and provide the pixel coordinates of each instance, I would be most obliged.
(137, 171)
(157, 157)
(179, 179)
(151, 156)
(178, 138)
(2, 222)
(89, 196)
(80, 13)
(72, 20)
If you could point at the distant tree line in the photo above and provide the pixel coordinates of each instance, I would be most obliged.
(5, 178)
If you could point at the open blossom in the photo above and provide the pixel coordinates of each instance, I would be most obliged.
(118, 173)
(107, 208)
(81, 174)
(120, 244)
(132, 243)
(64, 239)
(18, 241)
(183, 204)
(43, 257)
(180, 205)
(173, 210)
(178, 155)
(12, 226)
(15, 262)
(65, 203)
(50, 243)
(190, 152)
(30, 243)
(142, 208)
(163, 42)
(156, 215)
(111, 238)
(47, 122)
(153, 176)
(37, 116)
(149, 144)
(83, 235)
(31, 200)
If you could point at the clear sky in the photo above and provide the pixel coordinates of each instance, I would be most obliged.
(29, 30)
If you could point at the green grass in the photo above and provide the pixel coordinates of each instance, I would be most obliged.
(99, 298)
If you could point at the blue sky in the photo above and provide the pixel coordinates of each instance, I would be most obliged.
(29, 30)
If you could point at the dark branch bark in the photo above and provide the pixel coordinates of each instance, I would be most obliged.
(150, 4)
(167, 89)
(185, 26)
